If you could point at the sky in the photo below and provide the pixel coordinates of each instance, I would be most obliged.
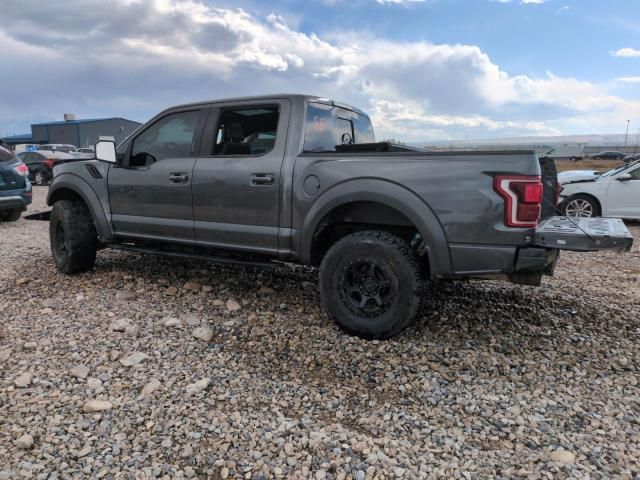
(423, 69)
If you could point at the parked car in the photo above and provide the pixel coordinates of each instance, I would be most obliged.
(631, 158)
(58, 147)
(608, 155)
(15, 188)
(41, 163)
(615, 193)
(301, 179)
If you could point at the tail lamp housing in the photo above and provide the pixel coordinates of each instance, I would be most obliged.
(22, 170)
(49, 162)
(522, 195)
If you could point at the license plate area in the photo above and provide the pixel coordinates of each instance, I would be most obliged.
(583, 234)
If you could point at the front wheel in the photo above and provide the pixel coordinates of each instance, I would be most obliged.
(371, 284)
(40, 178)
(73, 237)
(580, 206)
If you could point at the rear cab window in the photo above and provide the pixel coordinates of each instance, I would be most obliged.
(329, 125)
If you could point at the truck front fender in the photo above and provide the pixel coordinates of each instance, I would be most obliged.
(391, 195)
(68, 186)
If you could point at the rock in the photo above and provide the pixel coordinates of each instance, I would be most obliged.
(95, 384)
(224, 473)
(192, 320)
(119, 325)
(84, 452)
(171, 291)
(150, 387)
(24, 441)
(266, 291)
(207, 288)
(562, 456)
(80, 371)
(133, 359)
(132, 330)
(189, 472)
(187, 451)
(233, 306)
(203, 333)
(92, 406)
(24, 380)
(125, 296)
(171, 322)
(198, 386)
(49, 303)
(218, 303)
(22, 281)
(46, 311)
(30, 346)
(192, 286)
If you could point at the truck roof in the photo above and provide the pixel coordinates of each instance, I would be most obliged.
(294, 97)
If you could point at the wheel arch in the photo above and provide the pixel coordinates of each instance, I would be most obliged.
(72, 187)
(353, 197)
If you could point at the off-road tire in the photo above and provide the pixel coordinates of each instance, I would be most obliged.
(12, 215)
(393, 263)
(73, 237)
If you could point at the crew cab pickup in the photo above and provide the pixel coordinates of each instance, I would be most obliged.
(294, 178)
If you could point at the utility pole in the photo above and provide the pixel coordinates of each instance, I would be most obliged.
(626, 134)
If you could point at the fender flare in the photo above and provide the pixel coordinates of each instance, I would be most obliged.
(80, 187)
(392, 195)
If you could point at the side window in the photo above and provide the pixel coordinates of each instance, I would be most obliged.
(170, 137)
(246, 131)
(328, 126)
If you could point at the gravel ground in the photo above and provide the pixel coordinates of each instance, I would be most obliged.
(151, 367)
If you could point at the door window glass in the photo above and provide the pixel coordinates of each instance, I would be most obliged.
(328, 126)
(246, 131)
(170, 137)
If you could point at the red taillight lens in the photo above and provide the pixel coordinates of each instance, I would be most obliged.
(22, 170)
(522, 199)
(49, 162)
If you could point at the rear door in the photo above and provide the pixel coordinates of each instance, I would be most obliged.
(237, 179)
(150, 192)
(623, 197)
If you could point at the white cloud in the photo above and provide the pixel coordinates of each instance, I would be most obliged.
(629, 79)
(399, 2)
(101, 60)
(626, 52)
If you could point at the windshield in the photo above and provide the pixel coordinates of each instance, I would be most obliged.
(616, 170)
(328, 126)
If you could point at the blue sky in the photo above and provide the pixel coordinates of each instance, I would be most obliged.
(425, 70)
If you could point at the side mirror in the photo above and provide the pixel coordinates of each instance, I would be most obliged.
(106, 151)
(624, 177)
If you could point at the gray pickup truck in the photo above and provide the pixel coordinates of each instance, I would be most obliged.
(294, 178)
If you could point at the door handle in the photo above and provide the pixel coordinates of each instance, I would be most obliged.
(262, 179)
(178, 177)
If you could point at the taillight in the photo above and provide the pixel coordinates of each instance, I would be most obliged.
(22, 170)
(522, 199)
(49, 162)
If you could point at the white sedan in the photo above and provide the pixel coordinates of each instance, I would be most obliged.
(615, 193)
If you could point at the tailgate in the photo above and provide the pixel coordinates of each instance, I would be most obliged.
(583, 234)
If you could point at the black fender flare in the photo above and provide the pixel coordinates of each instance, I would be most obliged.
(392, 195)
(79, 186)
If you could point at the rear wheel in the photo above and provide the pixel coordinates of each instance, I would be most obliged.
(581, 206)
(73, 237)
(40, 178)
(10, 215)
(371, 284)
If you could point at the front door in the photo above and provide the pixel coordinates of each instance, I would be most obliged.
(236, 180)
(150, 192)
(623, 197)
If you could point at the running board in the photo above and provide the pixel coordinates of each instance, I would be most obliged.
(196, 256)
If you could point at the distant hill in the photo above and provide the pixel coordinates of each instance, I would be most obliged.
(587, 139)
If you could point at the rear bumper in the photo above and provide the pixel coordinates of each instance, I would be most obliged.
(16, 199)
